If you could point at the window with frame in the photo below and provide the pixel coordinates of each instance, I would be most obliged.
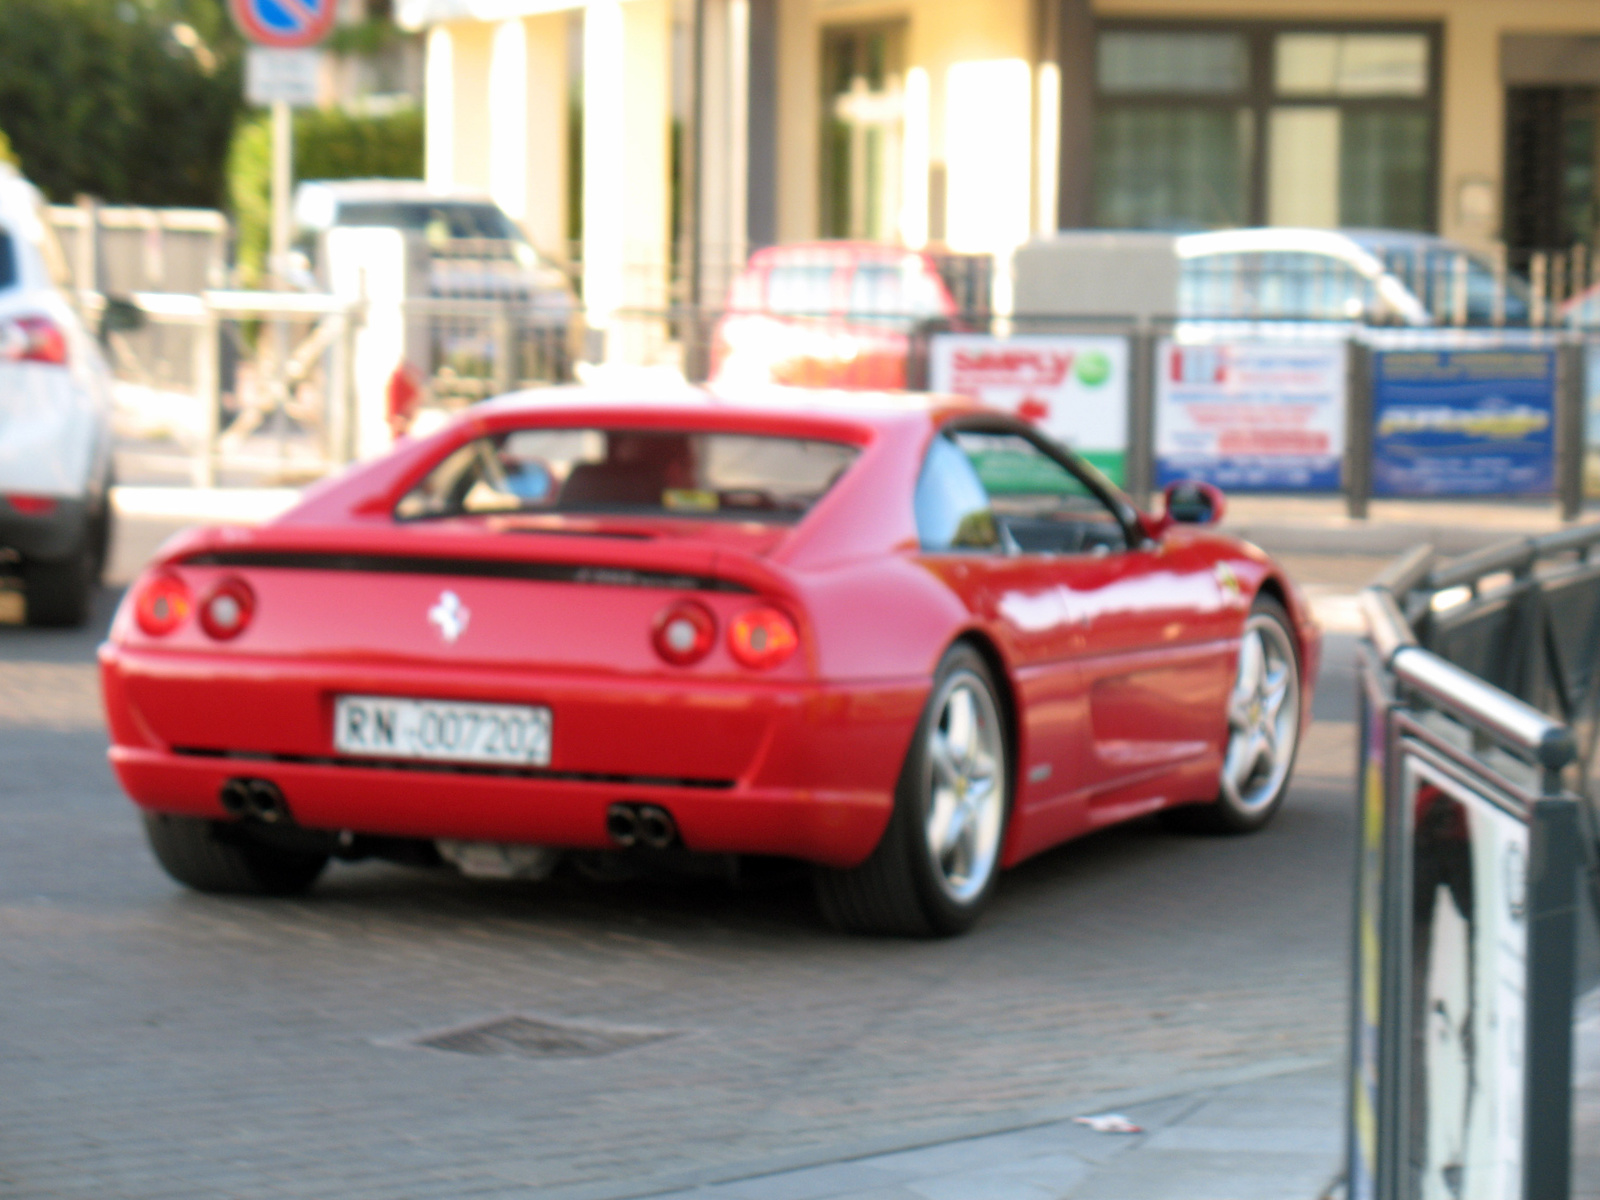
(983, 490)
(1256, 124)
(641, 472)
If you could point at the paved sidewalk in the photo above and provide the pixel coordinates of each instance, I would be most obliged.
(1272, 1137)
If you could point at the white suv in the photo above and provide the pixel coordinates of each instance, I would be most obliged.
(55, 420)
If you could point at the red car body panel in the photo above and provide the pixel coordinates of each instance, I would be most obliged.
(1114, 669)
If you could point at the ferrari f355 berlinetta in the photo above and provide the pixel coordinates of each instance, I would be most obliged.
(907, 640)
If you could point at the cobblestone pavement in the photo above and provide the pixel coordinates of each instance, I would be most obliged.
(157, 1043)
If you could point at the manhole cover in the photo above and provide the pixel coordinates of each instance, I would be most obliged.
(530, 1037)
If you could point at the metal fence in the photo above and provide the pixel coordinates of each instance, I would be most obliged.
(1476, 878)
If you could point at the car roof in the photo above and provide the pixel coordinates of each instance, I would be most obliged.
(819, 409)
(316, 201)
(19, 199)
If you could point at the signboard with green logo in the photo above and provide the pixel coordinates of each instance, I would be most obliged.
(1074, 388)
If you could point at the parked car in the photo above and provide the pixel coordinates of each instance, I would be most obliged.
(827, 314)
(477, 253)
(55, 420)
(1378, 277)
(907, 640)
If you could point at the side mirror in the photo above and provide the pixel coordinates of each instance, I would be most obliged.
(1192, 502)
(120, 316)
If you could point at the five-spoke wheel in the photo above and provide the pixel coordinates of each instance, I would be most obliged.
(1263, 726)
(937, 862)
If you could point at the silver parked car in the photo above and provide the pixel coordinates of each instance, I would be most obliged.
(55, 420)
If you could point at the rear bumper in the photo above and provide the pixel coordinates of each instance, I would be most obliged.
(804, 771)
(54, 536)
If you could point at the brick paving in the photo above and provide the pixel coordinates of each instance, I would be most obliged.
(155, 1043)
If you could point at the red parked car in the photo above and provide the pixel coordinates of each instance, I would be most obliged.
(827, 314)
(909, 641)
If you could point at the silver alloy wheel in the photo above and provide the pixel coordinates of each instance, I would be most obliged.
(1263, 716)
(965, 787)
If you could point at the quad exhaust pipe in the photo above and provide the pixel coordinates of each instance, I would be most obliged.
(647, 825)
(255, 799)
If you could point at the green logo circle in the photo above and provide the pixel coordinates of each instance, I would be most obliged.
(1093, 368)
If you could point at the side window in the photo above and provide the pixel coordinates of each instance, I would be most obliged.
(952, 508)
(1039, 506)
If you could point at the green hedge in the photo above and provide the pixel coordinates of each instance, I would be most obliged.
(100, 96)
(329, 144)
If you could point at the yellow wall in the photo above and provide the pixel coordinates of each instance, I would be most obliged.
(939, 33)
(1472, 137)
(942, 32)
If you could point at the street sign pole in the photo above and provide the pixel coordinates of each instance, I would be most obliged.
(281, 71)
(282, 170)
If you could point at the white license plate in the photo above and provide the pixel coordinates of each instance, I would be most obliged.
(444, 730)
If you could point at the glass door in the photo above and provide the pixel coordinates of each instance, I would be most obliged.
(863, 128)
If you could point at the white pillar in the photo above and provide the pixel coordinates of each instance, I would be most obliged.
(724, 142)
(545, 216)
(439, 111)
(456, 117)
(626, 125)
(509, 118)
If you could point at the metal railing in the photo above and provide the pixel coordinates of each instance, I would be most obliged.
(1474, 839)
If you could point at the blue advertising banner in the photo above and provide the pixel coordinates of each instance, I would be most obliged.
(1463, 422)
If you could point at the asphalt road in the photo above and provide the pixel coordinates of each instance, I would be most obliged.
(157, 1043)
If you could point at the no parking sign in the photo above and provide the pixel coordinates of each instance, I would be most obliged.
(284, 24)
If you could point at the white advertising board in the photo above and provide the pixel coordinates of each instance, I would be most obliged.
(1074, 388)
(1267, 416)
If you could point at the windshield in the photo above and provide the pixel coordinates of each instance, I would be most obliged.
(650, 472)
(440, 220)
(8, 261)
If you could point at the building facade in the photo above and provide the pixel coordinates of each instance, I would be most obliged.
(669, 137)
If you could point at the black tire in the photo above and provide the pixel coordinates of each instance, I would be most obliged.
(903, 888)
(214, 856)
(58, 593)
(1232, 812)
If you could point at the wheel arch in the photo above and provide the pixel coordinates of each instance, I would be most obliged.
(1010, 710)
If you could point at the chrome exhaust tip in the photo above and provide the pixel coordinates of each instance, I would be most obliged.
(657, 829)
(266, 803)
(235, 797)
(622, 824)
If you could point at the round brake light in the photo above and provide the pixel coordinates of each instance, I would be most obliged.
(762, 637)
(163, 605)
(684, 633)
(228, 609)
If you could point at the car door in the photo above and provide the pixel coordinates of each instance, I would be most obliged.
(1128, 628)
(1016, 597)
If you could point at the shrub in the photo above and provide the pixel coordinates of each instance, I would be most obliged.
(101, 96)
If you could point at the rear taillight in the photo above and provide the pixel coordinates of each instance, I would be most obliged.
(162, 605)
(32, 506)
(227, 609)
(762, 637)
(33, 339)
(684, 633)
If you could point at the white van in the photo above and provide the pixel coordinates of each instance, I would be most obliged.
(55, 420)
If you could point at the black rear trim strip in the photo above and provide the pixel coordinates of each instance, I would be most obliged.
(452, 768)
(397, 564)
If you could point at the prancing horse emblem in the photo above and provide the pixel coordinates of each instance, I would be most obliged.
(450, 615)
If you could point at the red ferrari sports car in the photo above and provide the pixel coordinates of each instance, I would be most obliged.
(905, 639)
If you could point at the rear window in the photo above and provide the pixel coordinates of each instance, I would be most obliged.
(801, 290)
(650, 472)
(8, 261)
